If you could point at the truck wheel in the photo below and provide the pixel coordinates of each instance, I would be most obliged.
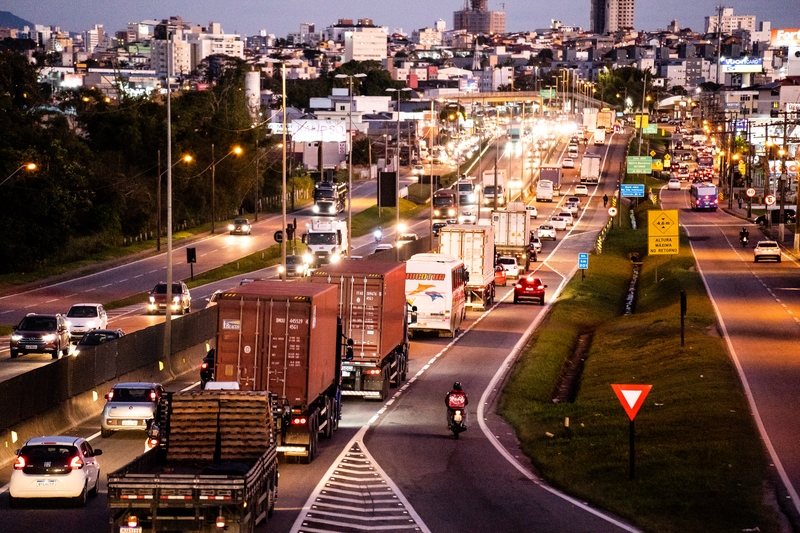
(405, 368)
(313, 435)
(385, 388)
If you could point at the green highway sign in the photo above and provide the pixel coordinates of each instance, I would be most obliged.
(640, 164)
(547, 93)
(650, 129)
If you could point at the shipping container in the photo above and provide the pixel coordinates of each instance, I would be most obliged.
(372, 307)
(285, 338)
(511, 229)
(475, 247)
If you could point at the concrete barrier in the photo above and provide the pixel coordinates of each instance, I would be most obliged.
(87, 405)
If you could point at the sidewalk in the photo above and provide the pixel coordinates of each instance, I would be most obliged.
(769, 233)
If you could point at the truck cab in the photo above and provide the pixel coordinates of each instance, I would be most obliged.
(326, 241)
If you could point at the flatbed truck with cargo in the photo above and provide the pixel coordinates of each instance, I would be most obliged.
(215, 466)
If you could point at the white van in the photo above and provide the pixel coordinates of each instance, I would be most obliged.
(544, 191)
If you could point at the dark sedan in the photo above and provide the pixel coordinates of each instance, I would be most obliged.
(97, 337)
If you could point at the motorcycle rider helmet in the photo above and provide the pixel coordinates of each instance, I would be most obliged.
(457, 385)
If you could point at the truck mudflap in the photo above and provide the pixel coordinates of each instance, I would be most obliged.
(298, 430)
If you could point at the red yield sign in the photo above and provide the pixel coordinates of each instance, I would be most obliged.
(631, 397)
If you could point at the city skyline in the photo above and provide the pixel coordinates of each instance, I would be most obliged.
(249, 17)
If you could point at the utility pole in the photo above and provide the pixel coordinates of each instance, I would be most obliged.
(719, 39)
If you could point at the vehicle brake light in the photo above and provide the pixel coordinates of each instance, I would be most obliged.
(153, 395)
(203, 366)
(76, 462)
(20, 463)
(299, 421)
(374, 371)
(110, 395)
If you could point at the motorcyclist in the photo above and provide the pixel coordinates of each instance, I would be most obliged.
(456, 399)
(744, 234)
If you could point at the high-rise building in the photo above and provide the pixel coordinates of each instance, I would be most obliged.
(476, 18)
(729, 22)
(609, 16)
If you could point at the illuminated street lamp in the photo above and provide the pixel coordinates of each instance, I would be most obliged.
(27, 166)
(187, 159)
(397, 166)
(236, 150)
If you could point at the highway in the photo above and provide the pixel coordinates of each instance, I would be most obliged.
(758, 306)
(479, 483)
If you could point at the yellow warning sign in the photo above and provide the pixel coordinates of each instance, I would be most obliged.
(662, 232)
(662, 222)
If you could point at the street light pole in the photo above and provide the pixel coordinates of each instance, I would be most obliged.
(29, 166)
(397, 172)
(213, 188)
(350, 159)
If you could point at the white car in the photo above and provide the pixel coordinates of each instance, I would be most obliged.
(418, 170)
(572, 207)
(405, 238)
(674, 184)
(129, 406)
(532, 211)
(55, 467)
(569, 220)
(383, 246)
(546, 231)
(581, 190)
(85, 317)
(567, 162)
(558, 223)
(536, 244)
(510, 265)
(767, 250)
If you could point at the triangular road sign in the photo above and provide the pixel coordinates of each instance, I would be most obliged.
(631, 397)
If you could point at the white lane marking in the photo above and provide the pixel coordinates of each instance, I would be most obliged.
(749, 393)
(355, 459)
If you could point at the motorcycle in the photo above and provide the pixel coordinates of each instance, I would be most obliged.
(457, 422)
(743, 239)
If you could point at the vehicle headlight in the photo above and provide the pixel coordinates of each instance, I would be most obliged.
(332, 209)
(16, 338)
(231, 227)
(245, 228)
(89, 324)
(315, 209)
(299, 269)
(48, 338)
(307, 258)
(451, 212)
(176, 299)
(152, 299)
(335, 258)
(437, 212)
(280, 269)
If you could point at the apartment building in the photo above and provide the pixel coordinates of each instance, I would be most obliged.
(365, 43)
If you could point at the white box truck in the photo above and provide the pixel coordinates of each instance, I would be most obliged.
(511, 231)
(552, 173)
(544, 191)
(474, 245)
(590, 169)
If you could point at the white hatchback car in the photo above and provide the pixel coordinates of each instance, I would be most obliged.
(567, 162)
(581, 190)
(85, 317)
(510, 265)
(532, 211)
(558, 223)
(674, 184)
(130, 406)
(546, 231)
(55, 467)
(767, 250)
(566, 214)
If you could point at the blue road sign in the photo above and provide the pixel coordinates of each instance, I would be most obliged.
(583, 260)
(633, 189)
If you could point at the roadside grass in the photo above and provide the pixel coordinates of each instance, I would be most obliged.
(367, 220)
(700, 463)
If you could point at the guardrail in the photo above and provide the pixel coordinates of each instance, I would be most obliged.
(34, 393)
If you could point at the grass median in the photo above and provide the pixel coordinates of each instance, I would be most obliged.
(700, 463)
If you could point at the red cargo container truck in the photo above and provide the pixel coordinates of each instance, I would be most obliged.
(372, 307)
(285, 338)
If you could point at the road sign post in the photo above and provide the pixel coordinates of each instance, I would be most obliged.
(631, 397)
(583, 264)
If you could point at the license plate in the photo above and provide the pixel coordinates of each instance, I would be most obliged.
(346, 373)
(128, 529)
(130, 422)
(30, 347)
(45, 482)
(347, 368)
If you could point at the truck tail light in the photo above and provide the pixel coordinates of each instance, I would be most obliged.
(374, 371)
(299, 421)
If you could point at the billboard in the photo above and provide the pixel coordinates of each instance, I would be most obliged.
(785, 37)
(741, 64)
(320, 130)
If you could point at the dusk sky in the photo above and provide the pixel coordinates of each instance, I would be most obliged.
(248, 17)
